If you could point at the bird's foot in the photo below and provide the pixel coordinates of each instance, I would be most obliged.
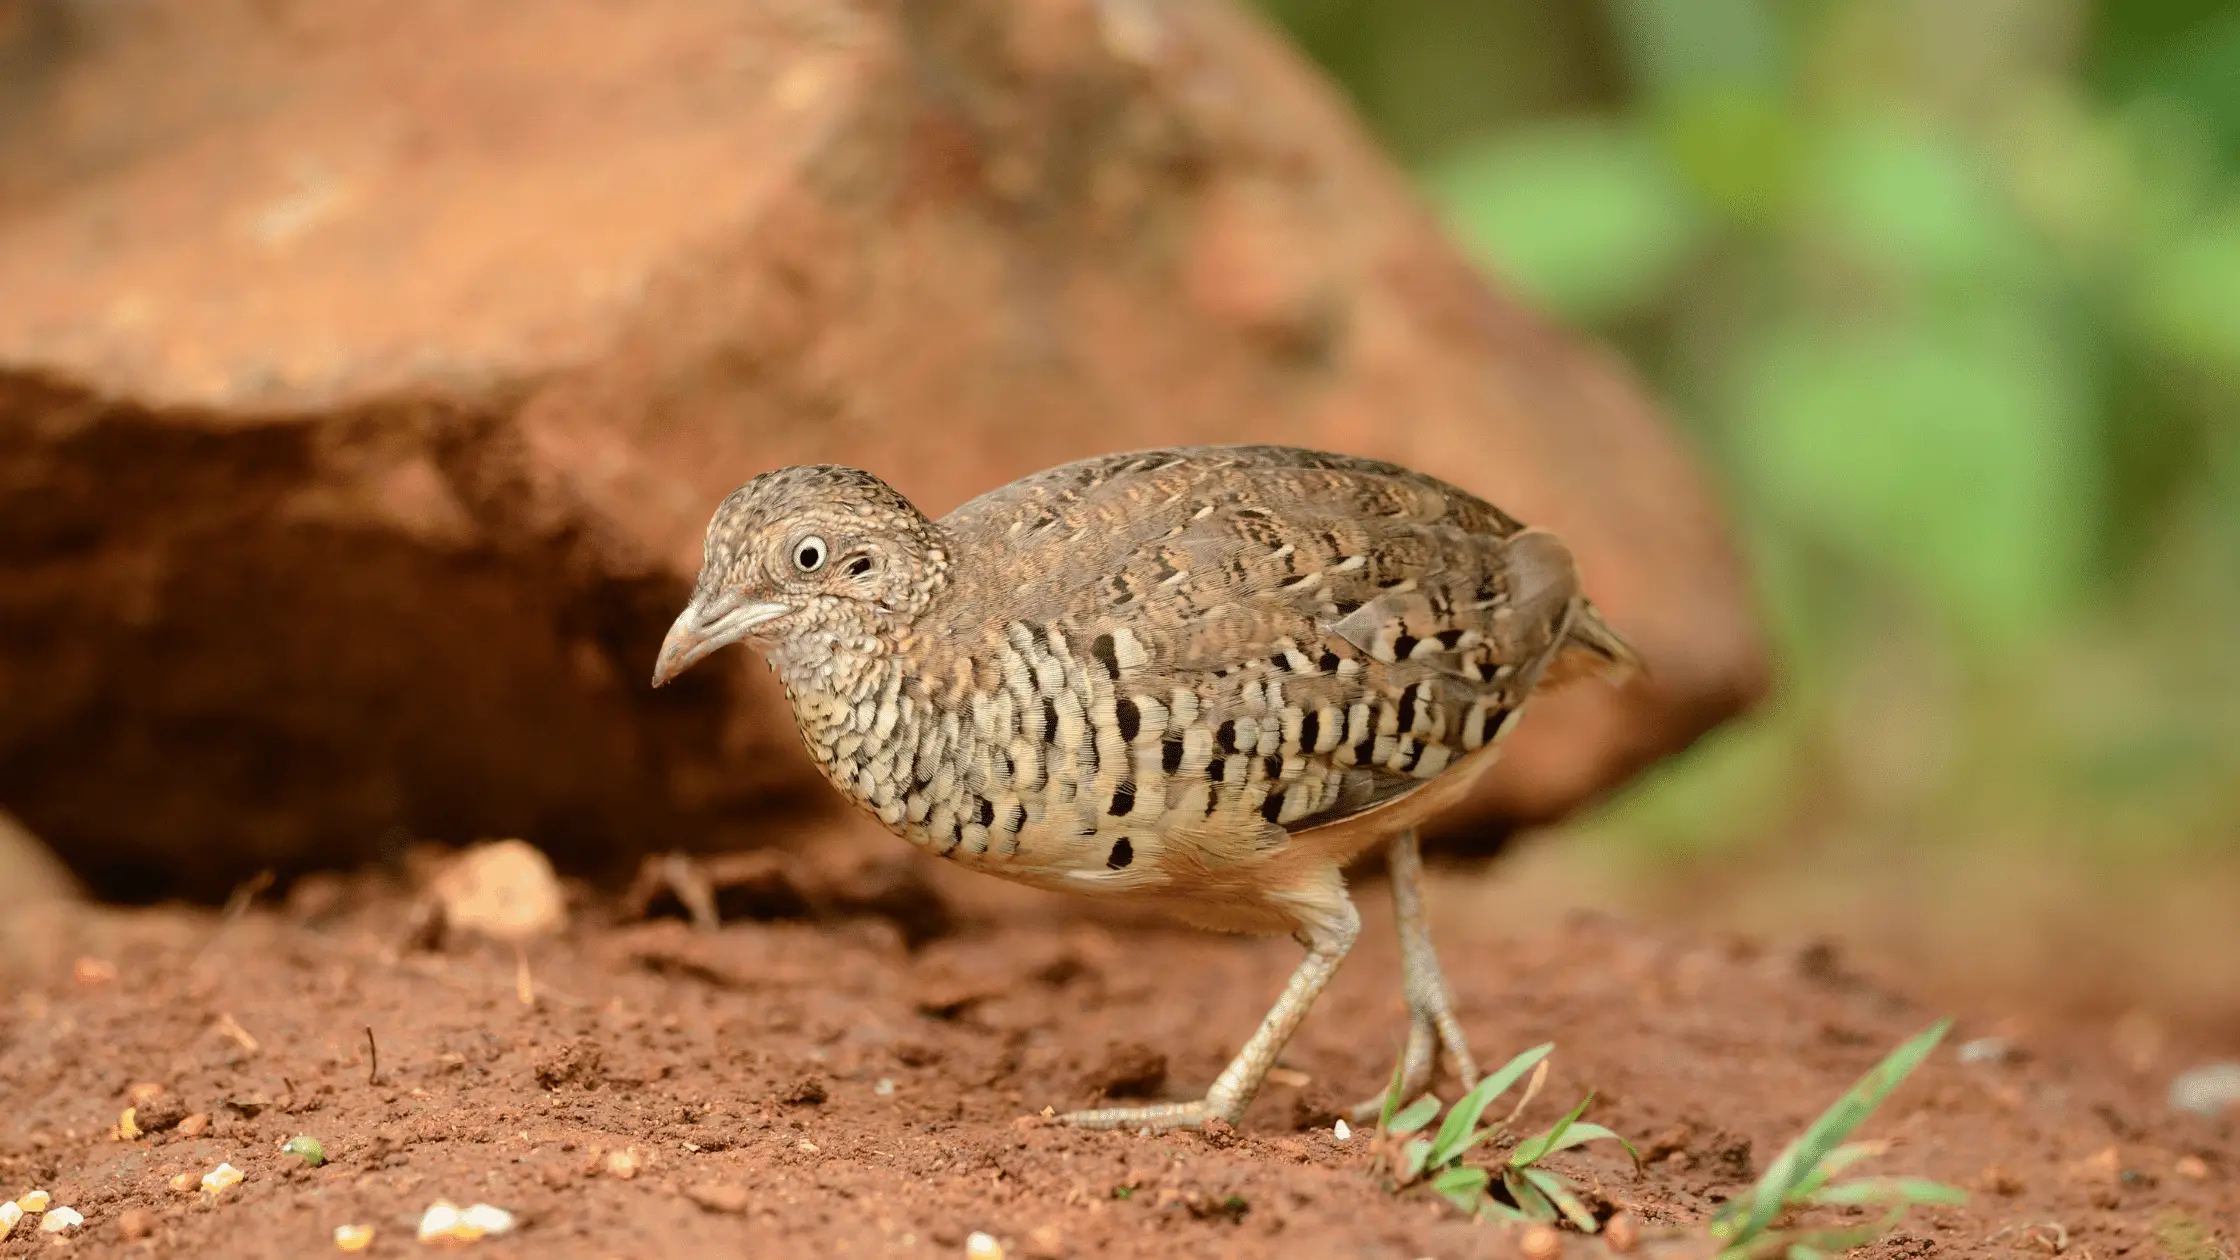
(1432, 1025)
(1155, 1116)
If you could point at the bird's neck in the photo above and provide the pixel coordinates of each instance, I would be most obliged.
(853, 700)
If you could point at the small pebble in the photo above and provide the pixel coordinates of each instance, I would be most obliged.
(441, 1221)
(134, 1224)
(444, 1222)
(353, 1237)
(157, 1111)
(1541, 1242)
(489, 1220)
(307, 1148)
(1622, 1232)
(59, 1219)
(2193, 1168)
(36, 1201)
(982, 1247)
(1342, 1130)
(195, 1125)
(184, 1183)
(2209, 1090)
(885, 1087)
(9, 1215)
(625, 1163)
(221, 1179)
(1985, 1050)
(2105, 1165)
(720, 1196)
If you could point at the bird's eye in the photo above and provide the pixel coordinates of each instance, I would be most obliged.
(808, 554)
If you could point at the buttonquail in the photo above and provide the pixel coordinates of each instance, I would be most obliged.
(1203, 679)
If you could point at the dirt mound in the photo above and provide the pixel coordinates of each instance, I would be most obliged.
(816, 1087)
(369, 370)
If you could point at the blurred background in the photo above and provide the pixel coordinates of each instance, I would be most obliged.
(361, 409)
(1949, 296)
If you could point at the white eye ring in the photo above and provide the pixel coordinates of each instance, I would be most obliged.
(809, 554)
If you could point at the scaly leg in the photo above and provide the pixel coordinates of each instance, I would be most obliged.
(1327, 942)
(1431, 1019)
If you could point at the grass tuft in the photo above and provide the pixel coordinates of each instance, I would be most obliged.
(1804, 1175)
(1535, 1193)
(1747, 1227)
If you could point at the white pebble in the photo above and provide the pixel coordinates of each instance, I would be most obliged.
(59, 1219)
(35, 1201)
(444, 1222)
(2209, 1090)
(487, 1219)
(1985, 1050)
(9, 1215)
(221, 1179)
(982, 1247)
(439, 1221)
(1343, 1130)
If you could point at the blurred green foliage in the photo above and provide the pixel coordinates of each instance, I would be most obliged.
(1948, 294)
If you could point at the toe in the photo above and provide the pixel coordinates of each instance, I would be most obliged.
(1156, 1116)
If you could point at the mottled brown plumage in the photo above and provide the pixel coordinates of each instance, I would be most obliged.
(1203, 678)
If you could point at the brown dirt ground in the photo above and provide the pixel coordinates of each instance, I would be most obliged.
(815, 1084)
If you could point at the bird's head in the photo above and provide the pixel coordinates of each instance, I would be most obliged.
(815, 549)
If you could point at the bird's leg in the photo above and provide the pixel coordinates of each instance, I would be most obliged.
(1327, 941)
(1431, 1019)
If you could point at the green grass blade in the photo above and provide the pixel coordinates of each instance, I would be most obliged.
(1796, 1163)
(1836, 1161)
(1531, 1150)
(1530, 1201)
(1586, 1131)
(1412, 1158)
(1415, 1115)
(1503, 1211)
(1456, 1135)
(1735, 1209)
(1559, 1193)
(1463, 1187)
(1890, 1190)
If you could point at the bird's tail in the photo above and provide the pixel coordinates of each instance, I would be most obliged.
(1591, 649)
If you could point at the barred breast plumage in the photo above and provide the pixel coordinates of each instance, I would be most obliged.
(1205, 677)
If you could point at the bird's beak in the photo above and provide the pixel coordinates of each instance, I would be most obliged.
(704, 626)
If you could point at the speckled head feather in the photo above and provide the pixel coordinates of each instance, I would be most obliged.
(800, 555)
